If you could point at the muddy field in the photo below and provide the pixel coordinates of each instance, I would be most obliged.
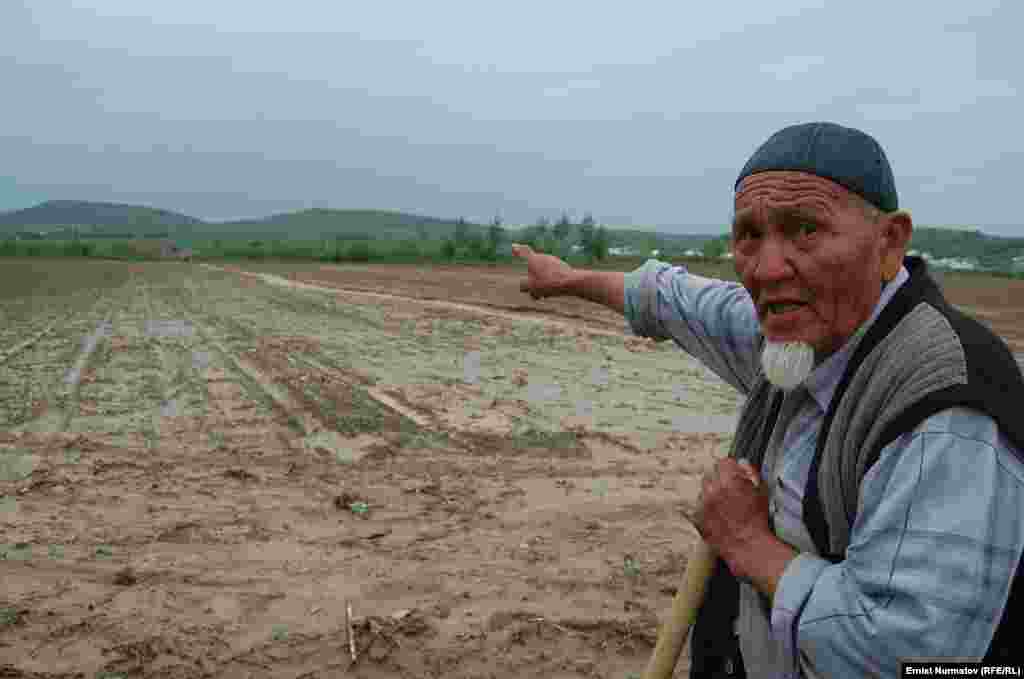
(203, 469)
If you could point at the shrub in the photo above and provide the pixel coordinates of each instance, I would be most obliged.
(448, 249)
(359, 252)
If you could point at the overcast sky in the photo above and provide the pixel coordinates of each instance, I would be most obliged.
(641, 113)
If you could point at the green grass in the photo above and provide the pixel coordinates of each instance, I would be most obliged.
(136, 250)
(536, 438)
(48, 278)
(9, 616)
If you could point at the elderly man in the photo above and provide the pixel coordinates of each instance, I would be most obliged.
(881, 514)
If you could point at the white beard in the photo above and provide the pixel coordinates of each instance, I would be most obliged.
(787, 364)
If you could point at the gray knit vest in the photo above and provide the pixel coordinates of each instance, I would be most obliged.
(919, 357)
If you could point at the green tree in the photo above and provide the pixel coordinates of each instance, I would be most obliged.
(561, 233)
(407, 249)
(536, 235)
(715, 248)
(461, 233)
(599, 244)
(448, 249)
(495, 237)
(421, 231)
(586, 229)
(359, 252)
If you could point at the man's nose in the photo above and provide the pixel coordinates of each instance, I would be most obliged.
(772, 263)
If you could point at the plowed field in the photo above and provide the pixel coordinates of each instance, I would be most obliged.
(202, 469)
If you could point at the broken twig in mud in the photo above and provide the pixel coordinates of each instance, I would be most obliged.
(540, 619)
(349, 632)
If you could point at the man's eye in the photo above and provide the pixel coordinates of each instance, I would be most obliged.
(808, 227)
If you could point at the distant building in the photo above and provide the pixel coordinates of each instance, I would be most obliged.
(170, 250)
(955, 263)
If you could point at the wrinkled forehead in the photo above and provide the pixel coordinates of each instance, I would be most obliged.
(779, 188)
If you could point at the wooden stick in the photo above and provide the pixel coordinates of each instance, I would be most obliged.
(688, 599)
(349, 631)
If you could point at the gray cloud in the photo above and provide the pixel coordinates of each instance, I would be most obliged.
(640, 114)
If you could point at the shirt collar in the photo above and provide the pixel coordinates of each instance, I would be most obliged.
(823, 380)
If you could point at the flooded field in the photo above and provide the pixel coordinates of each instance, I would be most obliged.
(203, 468)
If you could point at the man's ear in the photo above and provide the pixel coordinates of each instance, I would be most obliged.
(897, 228)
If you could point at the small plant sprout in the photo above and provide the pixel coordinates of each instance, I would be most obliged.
(16, 465)
(19, 551)
(279, 632)
(630, 567)
(8, 504)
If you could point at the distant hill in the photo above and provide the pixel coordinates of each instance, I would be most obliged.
(321, 223)
(58, 219)
(92, 217)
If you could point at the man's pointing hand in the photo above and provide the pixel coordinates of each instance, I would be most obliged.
(548, 275)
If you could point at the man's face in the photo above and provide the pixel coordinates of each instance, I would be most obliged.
(801, 238)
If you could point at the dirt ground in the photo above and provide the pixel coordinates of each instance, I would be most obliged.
(202, 470)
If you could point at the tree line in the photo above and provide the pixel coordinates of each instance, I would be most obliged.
(558, 238)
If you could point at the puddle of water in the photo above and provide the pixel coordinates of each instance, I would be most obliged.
(704, 423)
(170, 408)
(104, 329)
(539, 393)
(471, 367)
(169, 328)
(201, 360)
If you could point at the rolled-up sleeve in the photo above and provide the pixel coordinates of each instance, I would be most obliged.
(712, 320)
(933, 551)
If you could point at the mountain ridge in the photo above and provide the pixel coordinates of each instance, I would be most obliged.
(68, 219)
